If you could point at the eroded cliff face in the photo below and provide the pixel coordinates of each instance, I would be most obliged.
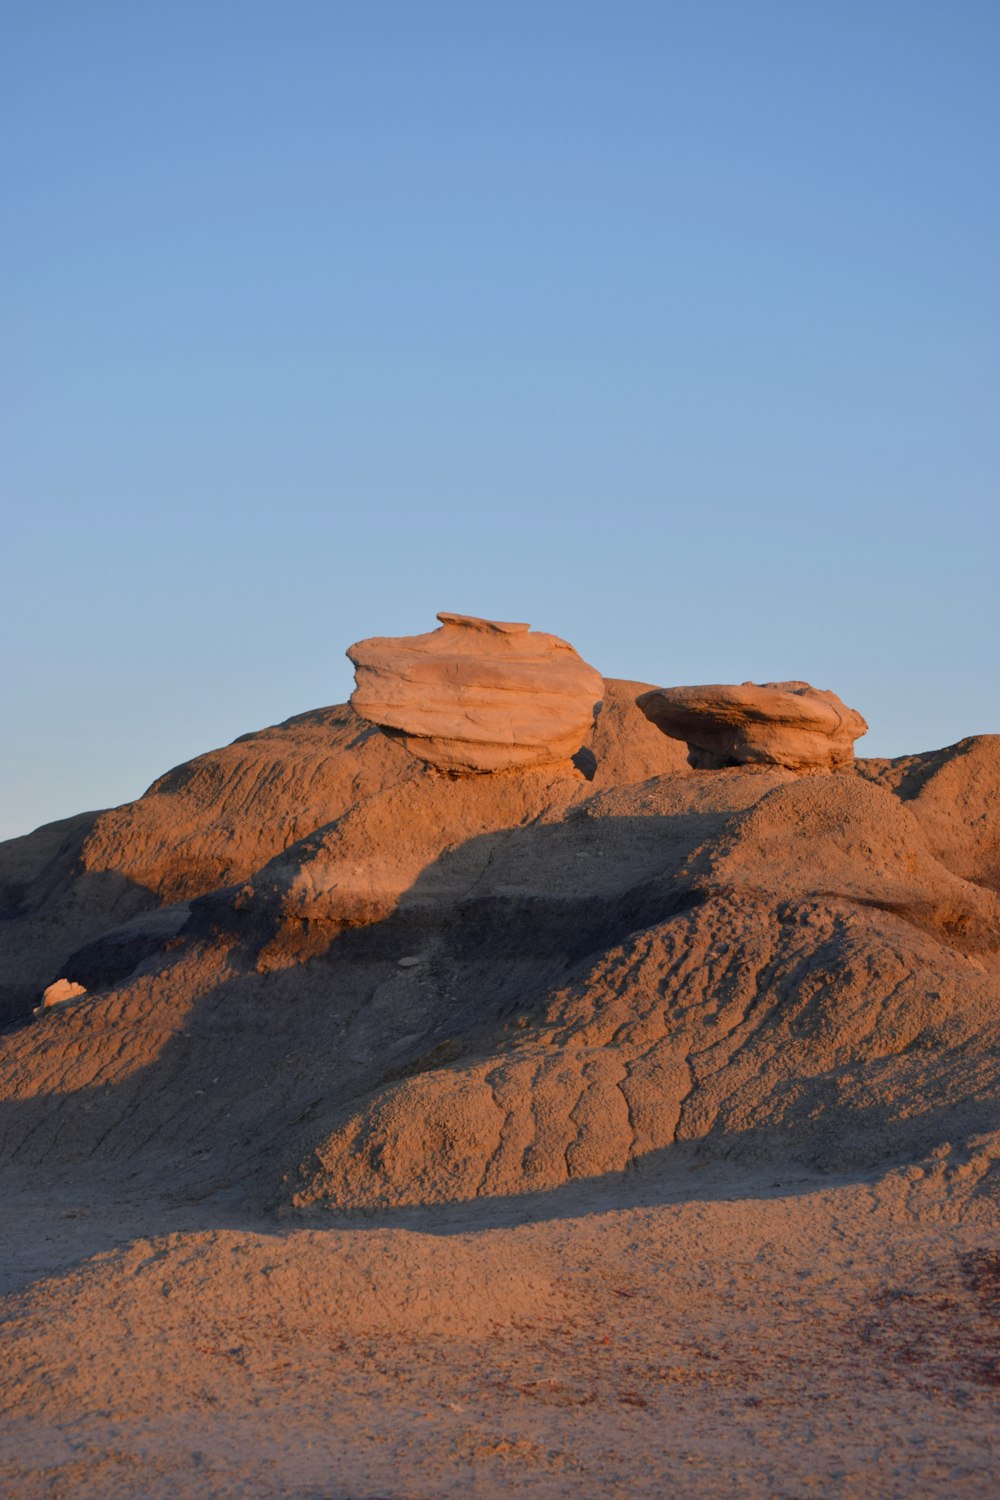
(316, 965)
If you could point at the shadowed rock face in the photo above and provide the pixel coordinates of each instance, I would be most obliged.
(772, 724)
(773, 963)
(82, 896)
(478, 695)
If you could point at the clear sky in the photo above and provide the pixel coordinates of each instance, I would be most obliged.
(670, 326)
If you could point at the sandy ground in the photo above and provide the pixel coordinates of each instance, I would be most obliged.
(703, 1335)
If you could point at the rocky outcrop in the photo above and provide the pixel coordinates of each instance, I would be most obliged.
(478, 695)
(465, 987)
(955, 796)
(503, 1072)
(60, 992)
(772, 724)
(206, 824)
(83, 892)
(771, 956)
(624, 745)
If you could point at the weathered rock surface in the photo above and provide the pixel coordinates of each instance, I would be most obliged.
(656, 1079)
(61, 991)
(771, 959)
(746, 961)
(478, 695)
(955, 796)
(205, 824)
(774, 724)
(73, 891)
(624, 745)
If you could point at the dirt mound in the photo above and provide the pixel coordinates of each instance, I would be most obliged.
(955, 796)
(206, 823)
(463, 987)
(456, 1127)
(216, 821)
(615, 1076)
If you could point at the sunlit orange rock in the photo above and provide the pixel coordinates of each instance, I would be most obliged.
(773, 724)
(478, 695)
(60, 992)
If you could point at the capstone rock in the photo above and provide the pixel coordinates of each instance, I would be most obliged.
(478, 695)
(772, 724)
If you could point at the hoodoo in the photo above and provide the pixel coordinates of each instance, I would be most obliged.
(772, 724)
(478, 695)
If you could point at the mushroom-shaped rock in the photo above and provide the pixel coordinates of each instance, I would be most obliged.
(769, 724)
(478, 695)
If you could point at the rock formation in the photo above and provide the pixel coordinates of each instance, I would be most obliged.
(77, 896)
(772, 724)
(61, 991)
(478, 695)
(539, 1024)
(608, 969)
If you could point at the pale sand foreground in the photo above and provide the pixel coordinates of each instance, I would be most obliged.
(705, 1336)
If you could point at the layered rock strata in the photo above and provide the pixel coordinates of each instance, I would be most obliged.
(478, 695)
(786, 724)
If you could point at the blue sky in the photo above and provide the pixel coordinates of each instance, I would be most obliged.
(669, 327)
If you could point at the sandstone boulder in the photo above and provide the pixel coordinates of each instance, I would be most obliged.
(478, 695)
(60, 992)
(773, 724)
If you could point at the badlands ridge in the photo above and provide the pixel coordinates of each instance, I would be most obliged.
(496, 929)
